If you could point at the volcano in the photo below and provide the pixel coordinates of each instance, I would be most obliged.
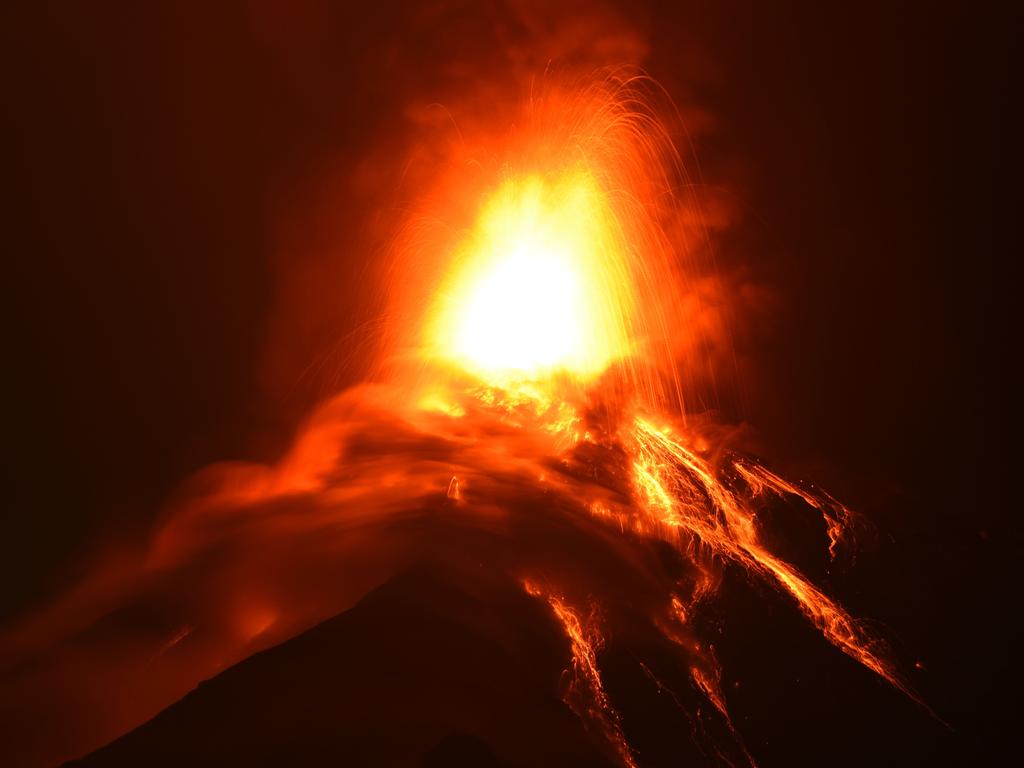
(528, 522)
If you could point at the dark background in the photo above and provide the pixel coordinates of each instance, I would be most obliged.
(150, 152)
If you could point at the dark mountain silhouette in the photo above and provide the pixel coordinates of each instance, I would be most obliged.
(429, 669)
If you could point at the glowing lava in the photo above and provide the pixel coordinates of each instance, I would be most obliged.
(538, 286)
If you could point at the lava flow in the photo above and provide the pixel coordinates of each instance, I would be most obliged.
(532, 407)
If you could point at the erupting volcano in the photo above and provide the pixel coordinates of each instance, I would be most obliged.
(529, 442)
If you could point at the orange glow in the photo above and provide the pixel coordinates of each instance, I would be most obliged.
(557, 253)
(538, 286)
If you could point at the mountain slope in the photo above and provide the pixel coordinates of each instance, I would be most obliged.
(429, 669)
